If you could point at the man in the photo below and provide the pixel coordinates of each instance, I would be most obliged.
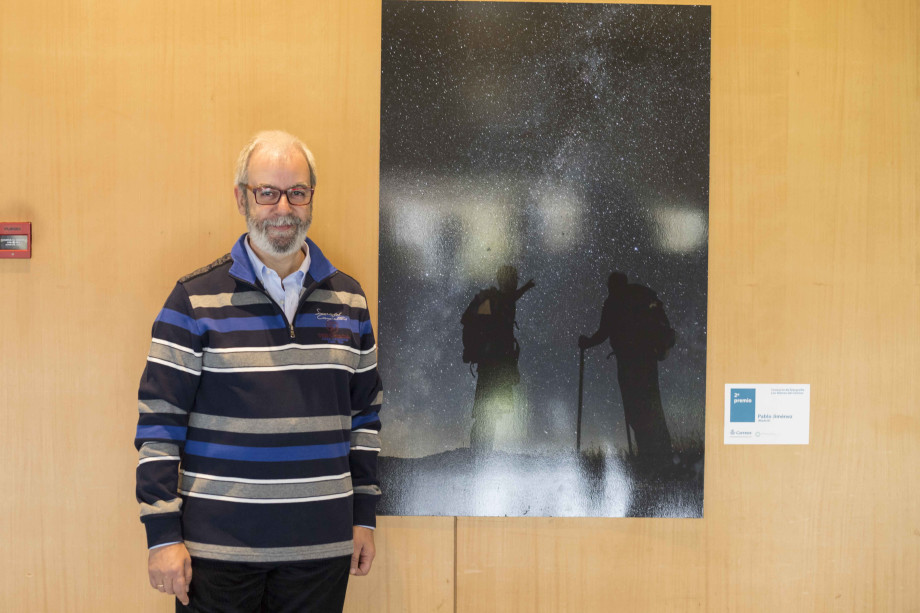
(491, 315)
(258, 412)
(634, 321)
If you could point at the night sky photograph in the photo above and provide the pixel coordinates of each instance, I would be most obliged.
(528, 151)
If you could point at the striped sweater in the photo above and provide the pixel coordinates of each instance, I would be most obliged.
(258, 435)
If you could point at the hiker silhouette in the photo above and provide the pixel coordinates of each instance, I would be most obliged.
(489, 343)
(634, 321)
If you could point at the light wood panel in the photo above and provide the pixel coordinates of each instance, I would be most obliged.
(414, 570)
(576, 565)
(119, 124)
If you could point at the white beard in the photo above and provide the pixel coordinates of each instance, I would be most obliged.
(278, 245)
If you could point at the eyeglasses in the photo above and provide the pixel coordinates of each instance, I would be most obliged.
(299, 195)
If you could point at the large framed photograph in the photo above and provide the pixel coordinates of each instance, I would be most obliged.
(543, 258)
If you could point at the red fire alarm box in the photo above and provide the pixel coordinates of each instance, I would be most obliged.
(15, 240)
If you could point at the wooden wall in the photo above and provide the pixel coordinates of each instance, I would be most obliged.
(119, 125)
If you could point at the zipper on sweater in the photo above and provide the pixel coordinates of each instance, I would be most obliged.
(290, 324)
(303, 298)
(258, 286)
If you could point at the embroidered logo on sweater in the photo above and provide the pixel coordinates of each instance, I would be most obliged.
(334, 334)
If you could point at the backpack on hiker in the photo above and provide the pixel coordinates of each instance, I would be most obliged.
(652, 321)
(484, 339)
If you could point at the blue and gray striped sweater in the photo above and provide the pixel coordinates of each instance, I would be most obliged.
(258, 437)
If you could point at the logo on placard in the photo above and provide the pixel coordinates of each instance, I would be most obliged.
(742, 405)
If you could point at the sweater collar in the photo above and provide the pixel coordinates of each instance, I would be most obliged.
(320, 267)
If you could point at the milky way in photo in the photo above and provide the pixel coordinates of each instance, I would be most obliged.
(566, 140)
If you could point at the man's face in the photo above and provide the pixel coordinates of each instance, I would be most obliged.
(277, 229)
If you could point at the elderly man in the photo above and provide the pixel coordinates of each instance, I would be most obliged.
(258, 412)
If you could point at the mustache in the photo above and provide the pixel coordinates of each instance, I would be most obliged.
(284, 220)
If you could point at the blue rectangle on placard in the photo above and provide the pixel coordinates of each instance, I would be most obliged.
(742, 405)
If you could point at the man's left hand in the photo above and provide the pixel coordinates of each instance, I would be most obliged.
(364, 553)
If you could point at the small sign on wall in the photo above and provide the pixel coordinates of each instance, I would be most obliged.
(767, 413)
(15, 240)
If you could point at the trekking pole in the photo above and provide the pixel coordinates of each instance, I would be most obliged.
(581, 381)
(628, 436)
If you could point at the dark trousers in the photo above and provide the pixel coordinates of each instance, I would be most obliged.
(286, 587)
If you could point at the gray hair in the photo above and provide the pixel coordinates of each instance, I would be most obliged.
(274, 138)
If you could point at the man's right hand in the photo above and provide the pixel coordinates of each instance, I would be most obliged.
(169, 569)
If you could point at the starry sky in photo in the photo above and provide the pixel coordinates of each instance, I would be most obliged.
(569, 141)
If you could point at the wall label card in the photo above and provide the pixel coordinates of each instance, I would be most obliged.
(767, 413)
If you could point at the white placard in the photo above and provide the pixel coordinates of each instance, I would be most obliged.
(767, 413)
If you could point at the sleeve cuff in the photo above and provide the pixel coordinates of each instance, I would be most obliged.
(161, 531)
(365, 511)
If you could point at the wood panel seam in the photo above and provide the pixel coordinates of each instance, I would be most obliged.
(456, 521)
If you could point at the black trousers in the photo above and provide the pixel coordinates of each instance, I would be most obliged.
(286, 587)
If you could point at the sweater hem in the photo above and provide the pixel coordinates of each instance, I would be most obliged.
(270, 554)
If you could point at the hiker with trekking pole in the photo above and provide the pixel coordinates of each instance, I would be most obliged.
(634, 322)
